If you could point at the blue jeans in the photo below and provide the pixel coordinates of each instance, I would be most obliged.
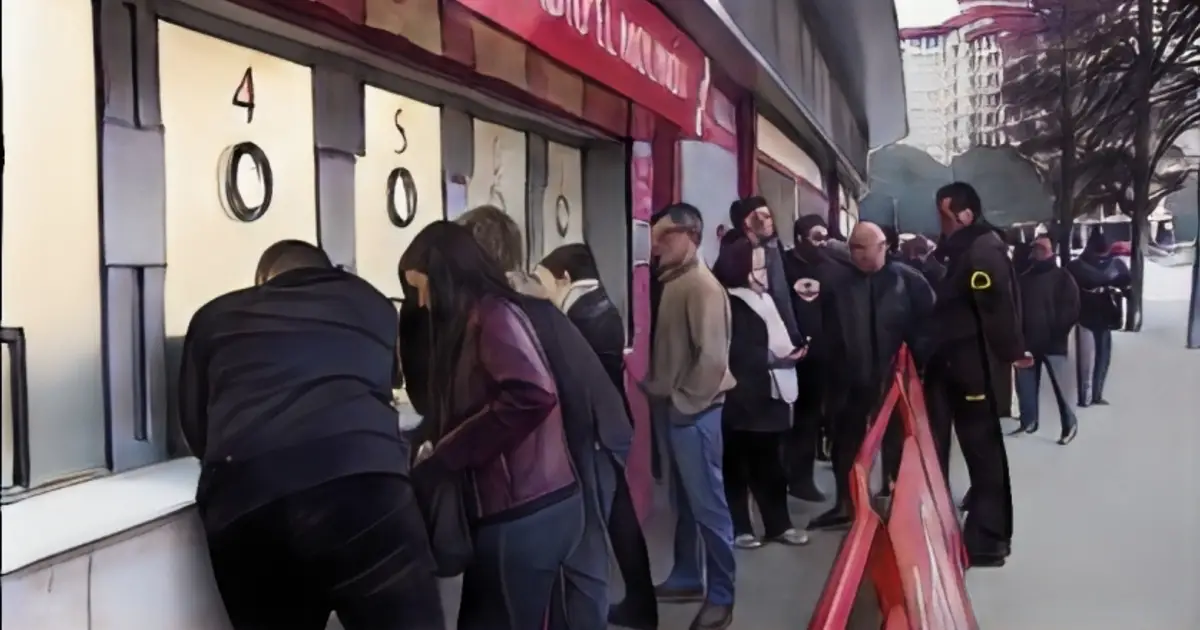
(703, 525)
(1029, 385)
(510, 584)
(1092, 360)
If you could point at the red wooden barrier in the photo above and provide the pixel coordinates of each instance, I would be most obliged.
(914, 557)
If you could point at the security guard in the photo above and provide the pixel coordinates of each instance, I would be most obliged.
(977, 333)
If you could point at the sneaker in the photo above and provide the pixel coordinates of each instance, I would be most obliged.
(794, 537)
(747, 541)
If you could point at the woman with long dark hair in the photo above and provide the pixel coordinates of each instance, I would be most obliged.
(757, 410)
(496, 419)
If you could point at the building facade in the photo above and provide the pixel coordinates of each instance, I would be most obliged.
(954, 74)
(153, 149)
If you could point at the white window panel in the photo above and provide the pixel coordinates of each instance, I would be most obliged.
(500, 171)
(562, 205)
(209, 250)
(397, 184)
(51, 249)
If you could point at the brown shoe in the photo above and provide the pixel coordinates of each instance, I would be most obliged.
(712, 617)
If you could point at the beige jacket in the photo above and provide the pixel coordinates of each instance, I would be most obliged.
(689, 363)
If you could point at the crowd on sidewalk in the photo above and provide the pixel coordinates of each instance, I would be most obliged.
(315, 501)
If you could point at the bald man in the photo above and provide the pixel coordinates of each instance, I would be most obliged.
(874, 306)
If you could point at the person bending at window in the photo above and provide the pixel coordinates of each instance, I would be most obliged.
(284, 396)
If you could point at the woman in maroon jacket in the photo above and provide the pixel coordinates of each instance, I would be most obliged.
(496, 416)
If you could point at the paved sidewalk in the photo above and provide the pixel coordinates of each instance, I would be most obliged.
(1107, 528)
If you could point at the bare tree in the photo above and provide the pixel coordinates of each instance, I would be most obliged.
(1099, 99)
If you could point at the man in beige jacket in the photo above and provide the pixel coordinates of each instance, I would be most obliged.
(689, 375)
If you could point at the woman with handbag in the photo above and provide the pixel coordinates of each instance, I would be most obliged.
(1103, 281)
(497, 430)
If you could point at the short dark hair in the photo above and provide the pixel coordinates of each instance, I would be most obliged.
(575, 259)
(734, 264)
(683, 215)
(962, 197)
(892, 236)
(288, 255)
(740, 209)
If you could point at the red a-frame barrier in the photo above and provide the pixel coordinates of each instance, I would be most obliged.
(914, 558)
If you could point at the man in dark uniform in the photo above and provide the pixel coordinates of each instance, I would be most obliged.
(978, 338)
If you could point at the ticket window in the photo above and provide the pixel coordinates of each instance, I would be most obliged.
(561, 217)
(50, 281)
(397, 184)
(780, 192)
(499, 173)
(240, 173)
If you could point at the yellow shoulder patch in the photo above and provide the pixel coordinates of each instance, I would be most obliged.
(981, 281)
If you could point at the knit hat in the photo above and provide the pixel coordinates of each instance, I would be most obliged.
(806, 223)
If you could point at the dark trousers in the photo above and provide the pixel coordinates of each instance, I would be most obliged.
(801, 442)
(518, 564)
(752, 468)
(952, 408)
(855, 411)
(629, 547)
(893, 448)
(356, 546)
(1092, 357)
(1029, 386)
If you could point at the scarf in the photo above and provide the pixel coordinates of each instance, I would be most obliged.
(779, 344)
(576, 290)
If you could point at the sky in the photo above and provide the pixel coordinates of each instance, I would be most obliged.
(924, 12)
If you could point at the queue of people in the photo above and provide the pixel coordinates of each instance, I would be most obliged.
(315, 501)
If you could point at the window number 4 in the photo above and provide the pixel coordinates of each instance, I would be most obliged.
(243, 96)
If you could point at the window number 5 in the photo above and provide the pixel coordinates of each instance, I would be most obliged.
(243, 96)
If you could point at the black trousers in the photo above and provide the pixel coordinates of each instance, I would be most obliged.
(855, 410)
(752, 468)
(801, 442)
(989, 521)
(893, 447)
(629, 548)
(356, 546)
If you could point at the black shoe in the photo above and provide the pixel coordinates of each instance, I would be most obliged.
(1025, 429)
(1083, 404)
(1070, 434)
(1100, 401)
(837, 518)
(985, 560)
(675, 595)
(806, 491)
(712, 617)
(627, 615)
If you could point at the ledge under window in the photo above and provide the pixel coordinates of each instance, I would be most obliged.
(51, 524)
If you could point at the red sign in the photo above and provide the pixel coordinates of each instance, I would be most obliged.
(627, 45)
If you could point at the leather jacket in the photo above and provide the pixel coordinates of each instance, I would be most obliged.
(505, 423)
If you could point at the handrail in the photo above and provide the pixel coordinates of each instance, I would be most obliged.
(13, 338)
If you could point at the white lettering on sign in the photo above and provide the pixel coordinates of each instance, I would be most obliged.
(622, 37)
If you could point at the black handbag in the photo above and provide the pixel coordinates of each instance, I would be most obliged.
(442, 500)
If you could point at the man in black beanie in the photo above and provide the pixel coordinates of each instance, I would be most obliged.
(811, 269)
(751, 219)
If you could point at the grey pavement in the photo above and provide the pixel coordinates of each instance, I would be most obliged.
(1107, 528)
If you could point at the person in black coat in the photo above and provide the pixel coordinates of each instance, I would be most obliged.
(1103, 281)
(1049, 310)
(573, 281)
(304, 494)
(756, 415)
(810, 268)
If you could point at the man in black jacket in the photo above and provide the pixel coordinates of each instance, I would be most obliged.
(285, 397)
(872, 310)
(1049, 309)
(752, 219)
(977, 340)
(810, 267)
